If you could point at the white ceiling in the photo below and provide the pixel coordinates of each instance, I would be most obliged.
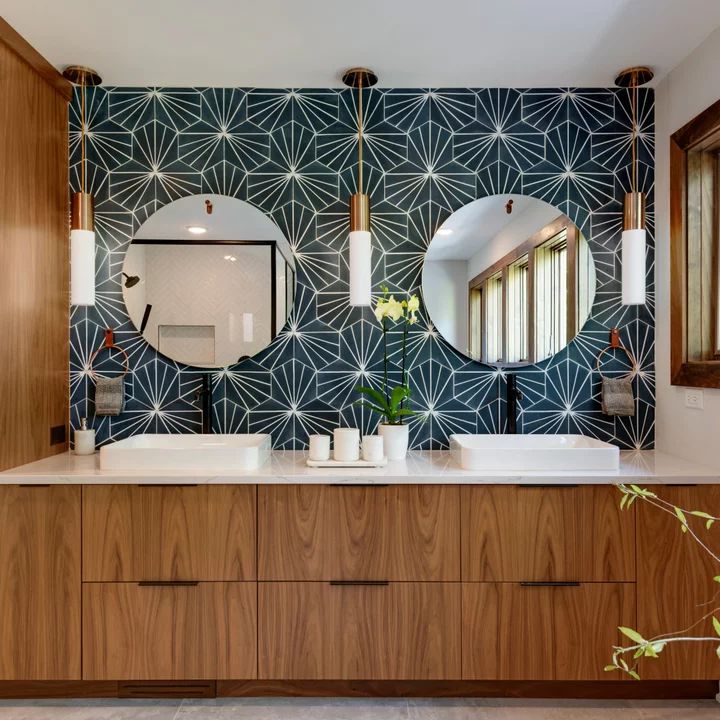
(409, 43)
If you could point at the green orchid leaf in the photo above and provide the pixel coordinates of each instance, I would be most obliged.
(716, 625)
(370, 406)
(717, 578)
(397, 395)
(633, 635)
(376, 395)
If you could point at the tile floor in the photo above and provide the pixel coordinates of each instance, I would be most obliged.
(340, 709)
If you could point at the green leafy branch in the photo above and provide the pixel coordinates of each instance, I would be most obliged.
(652, 647)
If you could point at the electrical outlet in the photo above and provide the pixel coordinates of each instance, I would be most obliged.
(694, 399)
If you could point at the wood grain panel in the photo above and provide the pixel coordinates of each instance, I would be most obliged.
(675, 582)
(319, 631)
(39, 583)
(400, 532)
(511, 632)
(34, 256)
(197, 632)
(512, 533)
(133, 532)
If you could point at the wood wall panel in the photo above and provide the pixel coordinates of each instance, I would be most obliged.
(315, 630)
(512, 632)
(141, 532)
(321, 532)
(675, 585)
(34, 257)
(543, 534)
(39, 583)
(189, 632)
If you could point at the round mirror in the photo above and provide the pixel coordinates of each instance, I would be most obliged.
(209, 280)
(508, 280)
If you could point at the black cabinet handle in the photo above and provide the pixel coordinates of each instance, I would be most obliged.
(370, 583)
(168, 583)
(546, 485)
(550, 584)
(34, 485)
(167, 485)
(377, 485)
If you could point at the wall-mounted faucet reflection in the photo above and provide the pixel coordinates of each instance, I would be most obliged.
(512, 397)
(203, 396)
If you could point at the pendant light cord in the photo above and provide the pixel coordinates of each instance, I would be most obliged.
(82, 134)
(360, 134)
(633, 102)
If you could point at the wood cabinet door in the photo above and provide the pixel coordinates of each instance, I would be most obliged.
(322, 532)
(535, 533)
(201, 631)
(40, 582)
(319, 631)
(675, 582)
(516, 632)
(148, 532)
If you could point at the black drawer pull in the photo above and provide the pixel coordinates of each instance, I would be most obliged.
(34, 485)
(550, 584)
(546, 485)
(369, 583)
(168, 583)
(377, 485)
(167, 485)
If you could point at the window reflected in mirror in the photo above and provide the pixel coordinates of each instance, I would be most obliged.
(509, 283)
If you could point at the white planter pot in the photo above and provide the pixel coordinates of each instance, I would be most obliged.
(395, 440)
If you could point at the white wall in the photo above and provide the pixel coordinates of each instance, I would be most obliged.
(686, 91)
(445, 294)
(517, 231)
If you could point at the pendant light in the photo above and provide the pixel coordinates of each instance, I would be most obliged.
(82, 231)
(360, 240)
(634, 237)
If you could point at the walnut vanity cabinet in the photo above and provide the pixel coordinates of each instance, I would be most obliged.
(548, 576)
(39, 582)
(675, 582)
(169, 591)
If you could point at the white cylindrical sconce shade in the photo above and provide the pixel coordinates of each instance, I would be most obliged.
(82, 267)
(633, 267)
(360, 267)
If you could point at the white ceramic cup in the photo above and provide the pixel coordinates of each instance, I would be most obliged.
(373, 448)
(346, 444)
(319, 447)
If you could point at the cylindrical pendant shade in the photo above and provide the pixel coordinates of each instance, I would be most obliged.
(360, 267)
(82, 267)
(633, 267)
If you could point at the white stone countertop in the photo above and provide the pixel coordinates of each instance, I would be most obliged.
(435, 466)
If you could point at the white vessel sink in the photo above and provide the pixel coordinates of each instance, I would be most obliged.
(186, 452)
(533, 452)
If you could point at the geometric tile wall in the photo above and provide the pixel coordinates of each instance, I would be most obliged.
(292, 153)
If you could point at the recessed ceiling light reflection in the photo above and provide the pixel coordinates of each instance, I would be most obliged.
(445, 231)
(230, 258)
(196, 229)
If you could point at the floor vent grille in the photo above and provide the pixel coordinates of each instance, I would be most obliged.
(160, 689)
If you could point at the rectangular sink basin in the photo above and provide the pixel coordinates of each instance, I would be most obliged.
(533, 452)
(186, 452)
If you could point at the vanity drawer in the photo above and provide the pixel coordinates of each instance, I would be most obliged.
(199, 631)
(180, 532)
(517, 632)
(324, 532)
(323, 631)
(535, 533)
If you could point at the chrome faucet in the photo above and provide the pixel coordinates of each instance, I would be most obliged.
(203, 396)
(512, 396)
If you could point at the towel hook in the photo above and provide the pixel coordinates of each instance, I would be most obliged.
(109, 344)
(616, 344)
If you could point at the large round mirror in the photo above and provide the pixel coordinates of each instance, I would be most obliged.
(209, 280)
(508, 280)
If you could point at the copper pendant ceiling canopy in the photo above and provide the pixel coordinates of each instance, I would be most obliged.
(81, 75)
(359, 78)
(634, 77)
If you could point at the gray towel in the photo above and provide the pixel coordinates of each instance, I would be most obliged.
(617, 396)
(109, 395)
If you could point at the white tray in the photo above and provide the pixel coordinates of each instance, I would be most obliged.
(348, 464)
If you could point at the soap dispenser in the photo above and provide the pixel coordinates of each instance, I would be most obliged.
(84, 439)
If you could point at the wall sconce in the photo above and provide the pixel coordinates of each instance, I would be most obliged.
(82, 216)
(360, 239)
(634, 239)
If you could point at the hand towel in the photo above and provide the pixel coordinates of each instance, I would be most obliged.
(109, 395)
(617, 396)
